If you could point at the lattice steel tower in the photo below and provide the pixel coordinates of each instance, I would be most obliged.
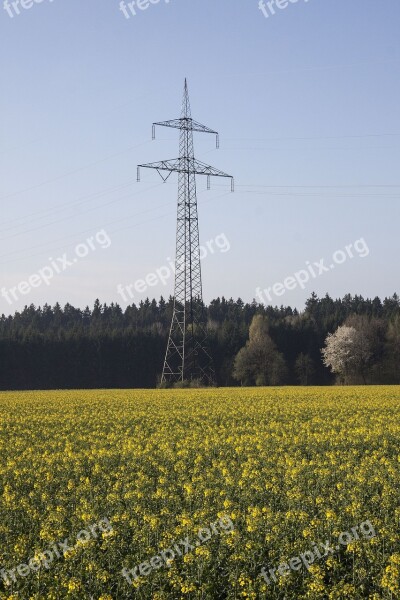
(187, 356)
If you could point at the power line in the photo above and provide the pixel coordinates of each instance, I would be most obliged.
(330, 137)
(86, 231)
(68, 173)
(54, 209)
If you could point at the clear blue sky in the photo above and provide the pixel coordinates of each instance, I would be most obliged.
(307, 105)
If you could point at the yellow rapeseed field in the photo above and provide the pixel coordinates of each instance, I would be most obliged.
(288, 467)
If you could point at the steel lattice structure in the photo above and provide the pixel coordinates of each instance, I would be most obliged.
(187, 356)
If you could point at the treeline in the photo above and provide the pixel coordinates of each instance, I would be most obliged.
(107, 347)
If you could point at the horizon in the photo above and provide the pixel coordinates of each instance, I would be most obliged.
(395, 296)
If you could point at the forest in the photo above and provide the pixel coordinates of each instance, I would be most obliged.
(51, 347)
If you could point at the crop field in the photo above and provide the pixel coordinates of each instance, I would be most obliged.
(215, 494)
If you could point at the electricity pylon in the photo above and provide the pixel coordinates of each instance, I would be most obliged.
(187, 356)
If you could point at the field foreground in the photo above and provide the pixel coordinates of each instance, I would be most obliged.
(193, 492)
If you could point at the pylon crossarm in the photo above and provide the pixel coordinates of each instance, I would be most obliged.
(195, 167)
(185, 123)
(164, 165)
(203, 169)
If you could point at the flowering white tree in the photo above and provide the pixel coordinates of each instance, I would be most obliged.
(347, 352)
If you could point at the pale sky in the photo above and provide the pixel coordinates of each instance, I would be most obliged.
(306, 101)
